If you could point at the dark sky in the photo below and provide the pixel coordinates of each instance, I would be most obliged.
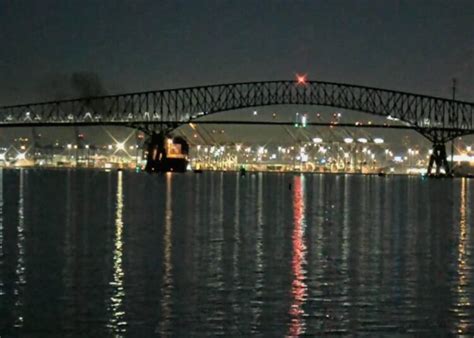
(140, 45)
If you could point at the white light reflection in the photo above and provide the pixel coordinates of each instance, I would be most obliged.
(20, 265)
(235, 256)
(298, 288)
(2, 292)
(117, 321)
(167, 285)
(463, 304)
(69, 268)
(259, 263)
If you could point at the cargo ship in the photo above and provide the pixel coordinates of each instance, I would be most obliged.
(167, 154)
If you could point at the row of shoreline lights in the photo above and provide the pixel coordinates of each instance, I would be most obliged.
(118, 146)
(349, 140)
(302, 155)
(316, 140)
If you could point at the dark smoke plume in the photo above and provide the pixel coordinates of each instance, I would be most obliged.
(87, 84)
(70, 86)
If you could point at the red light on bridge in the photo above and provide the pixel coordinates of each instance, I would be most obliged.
(301, 79)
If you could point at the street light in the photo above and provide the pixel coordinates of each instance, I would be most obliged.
(378, 140)
(120, 145)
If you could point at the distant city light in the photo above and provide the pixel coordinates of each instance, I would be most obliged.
(255, 113)
(362, 140)
(462, 158)
(317, 140)
(121, 145)
(304, 120)
(378, 140)
(348, 140)
(21, 156)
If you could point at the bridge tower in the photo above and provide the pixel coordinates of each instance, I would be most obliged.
(439, 138)
(438, 156)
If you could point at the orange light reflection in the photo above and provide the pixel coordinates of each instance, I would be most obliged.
(298, 288)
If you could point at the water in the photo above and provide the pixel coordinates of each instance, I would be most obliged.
(99, 254)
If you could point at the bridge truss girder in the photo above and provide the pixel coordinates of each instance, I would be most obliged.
(436, 118)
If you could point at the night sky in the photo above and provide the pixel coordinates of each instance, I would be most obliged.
(136, 45)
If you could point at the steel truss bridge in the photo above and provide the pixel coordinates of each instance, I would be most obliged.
(438, 119)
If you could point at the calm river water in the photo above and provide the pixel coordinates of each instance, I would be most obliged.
(99, 254)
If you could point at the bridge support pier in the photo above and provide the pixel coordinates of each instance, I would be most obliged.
(439, 158)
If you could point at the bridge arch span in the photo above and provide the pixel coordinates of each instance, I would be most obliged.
(437, 118)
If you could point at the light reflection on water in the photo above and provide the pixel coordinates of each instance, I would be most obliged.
(20, 279)
(167, 283)
(117, 322)
(464, 282)
(93, 254)
(2, 292)
(298, 288)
